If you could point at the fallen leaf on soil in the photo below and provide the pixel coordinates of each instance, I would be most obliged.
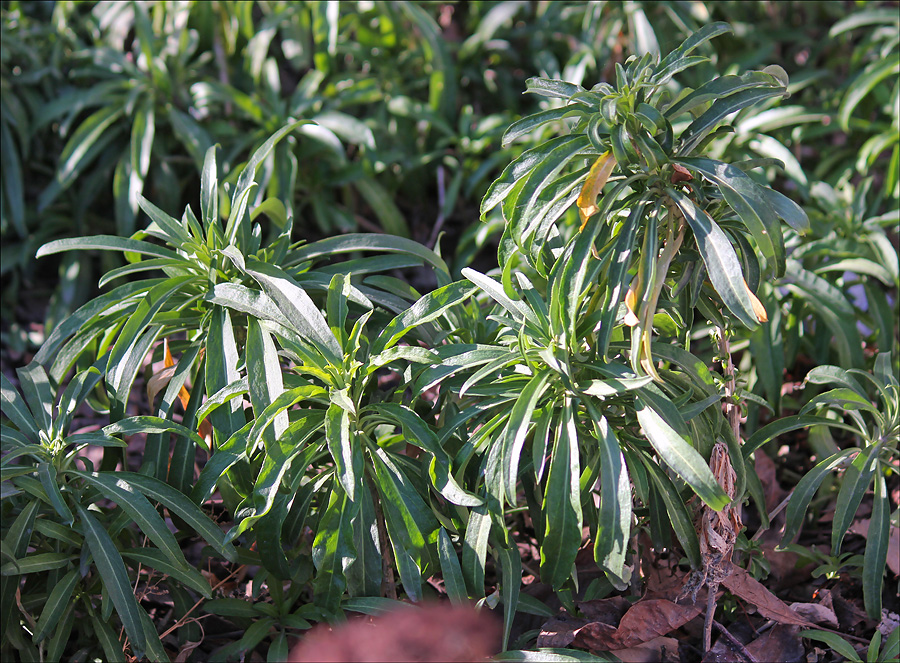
(744, 586)
(861, 527)
(657, 650)
(849, 611)
(645, 620)
(609, 611)
(779, 643)
(559, 631)
(816, 613)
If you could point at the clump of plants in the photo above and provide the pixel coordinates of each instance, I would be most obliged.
(355, 438)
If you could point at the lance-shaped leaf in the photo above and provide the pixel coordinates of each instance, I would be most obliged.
(517, 429)
(562, 502)
(684, 460)
(857, 478)
(804, 491)
(115, 578)
(516, 307)
(451, 571)
(333, 550)
(876, 550)
(676, 509)
(292, 300)
(419, 434)
(748, 199)
(474, 549)
(614, 516)
(409, 520)
(430, 307)
(341, 444)
(720, 258)
(519, 168)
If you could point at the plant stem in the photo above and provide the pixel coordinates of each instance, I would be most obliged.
(388, 584)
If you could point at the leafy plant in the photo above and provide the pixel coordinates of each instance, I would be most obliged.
(70, 559)
(877, 429)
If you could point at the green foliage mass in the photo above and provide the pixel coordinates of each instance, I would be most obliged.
(657, 205)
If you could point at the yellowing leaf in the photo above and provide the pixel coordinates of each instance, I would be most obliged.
(593, 185)
(631, 318)
(758, 307)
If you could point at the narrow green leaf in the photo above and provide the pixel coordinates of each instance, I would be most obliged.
(677, 511)
(304, 316)
(877, 543)
(139, 508)
(451, 571)
(47, 476)
(181, 506)
(333, 550)
(804, 491)
(835, 641)
(115, 578)
(474, 549)
(562, 503)
(873, 74)
(353, 242)
(107, 243)
(516, 307)
(681, 456)
(614, 516)
(748, 199)
(429, 308)
(264, 376)
(520, 419)
(721, 261)
(14, 407)
(419, 434)
(340, 444)
(857, 478)
(183, 573)
(511, 581)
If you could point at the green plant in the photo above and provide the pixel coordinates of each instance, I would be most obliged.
(876, 428)
(70, 558)
(875, 652)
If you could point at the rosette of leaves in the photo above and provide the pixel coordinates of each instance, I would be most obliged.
(867, 405)
(684, 236)
(70, 560)
(320, 444)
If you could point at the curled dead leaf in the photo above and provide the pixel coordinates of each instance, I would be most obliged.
(593, 185)
(746, 587)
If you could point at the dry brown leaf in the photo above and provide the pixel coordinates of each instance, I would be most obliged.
(559, 631)
(658, 650)
(608, 611)
(645, 620)
(779, 643)
(744, 586)
(816, 613)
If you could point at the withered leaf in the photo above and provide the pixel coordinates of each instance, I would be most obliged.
(744, 586)
(645, 620)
